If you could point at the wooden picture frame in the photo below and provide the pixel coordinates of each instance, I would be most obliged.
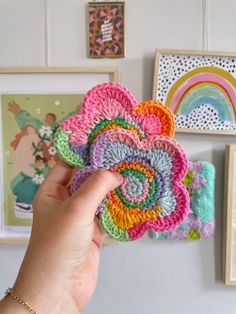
(199, 87)
(229, 245)
(43, 81)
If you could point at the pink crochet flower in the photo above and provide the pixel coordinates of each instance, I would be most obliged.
(114, 132)
(105, 107)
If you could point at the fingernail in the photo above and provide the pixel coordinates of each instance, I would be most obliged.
(117, 175)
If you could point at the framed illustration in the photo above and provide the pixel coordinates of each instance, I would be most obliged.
(199, 87)
(106, 29)
(200, 221)
(34, 101)
(229, 255)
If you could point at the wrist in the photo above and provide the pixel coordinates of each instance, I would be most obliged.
(8, 306)
(44, 295)
(36, 285)
(16, 112)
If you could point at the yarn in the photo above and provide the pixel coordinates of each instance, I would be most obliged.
(152, 196)
(114, 132)
(200, 222)
(105, 107)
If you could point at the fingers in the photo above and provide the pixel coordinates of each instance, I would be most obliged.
(60, 174)
(98, 185)
(98, 234)
(86, 200)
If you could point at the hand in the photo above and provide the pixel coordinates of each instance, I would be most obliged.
(59, 271)
(14, 107)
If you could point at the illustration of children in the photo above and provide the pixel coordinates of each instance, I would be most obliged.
(40, 166)
(25, 187)
(23, 149)
(33, 156)
(48, 126)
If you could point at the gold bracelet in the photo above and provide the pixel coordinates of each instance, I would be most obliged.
(11, 292)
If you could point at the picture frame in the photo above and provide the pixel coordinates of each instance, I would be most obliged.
(199, 224)
(44, 82)
(106, 29)
(229, 244)
(199, 87)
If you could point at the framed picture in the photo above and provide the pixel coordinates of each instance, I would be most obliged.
(106, 29)
(200, 221)
(199, 87)
(33, 103)
(229, 255)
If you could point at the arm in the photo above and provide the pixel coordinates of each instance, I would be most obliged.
(22, 117)
(60, 268)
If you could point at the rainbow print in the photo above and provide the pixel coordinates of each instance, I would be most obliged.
(204, 98)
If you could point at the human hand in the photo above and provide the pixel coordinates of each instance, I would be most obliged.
(14, 107)
(59, 271)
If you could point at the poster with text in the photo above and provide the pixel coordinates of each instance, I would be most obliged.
(106, 29)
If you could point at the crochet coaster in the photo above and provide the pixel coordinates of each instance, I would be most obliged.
(200, 222)
(115, 133)
(105, 107)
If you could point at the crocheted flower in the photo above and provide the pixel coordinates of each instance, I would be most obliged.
(191, 229)
(200, 222)
(152, 196)
(105, 107)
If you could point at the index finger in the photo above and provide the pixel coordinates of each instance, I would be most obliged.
(60, 174)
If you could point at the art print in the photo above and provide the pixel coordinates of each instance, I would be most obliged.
(106, 29)
(29, 122)
(199, 88)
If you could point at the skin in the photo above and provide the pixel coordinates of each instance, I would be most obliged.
(39, 163)
(50, 119)
(60, 268)
(13, 107)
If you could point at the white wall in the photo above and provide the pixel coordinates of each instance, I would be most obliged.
(145, 276)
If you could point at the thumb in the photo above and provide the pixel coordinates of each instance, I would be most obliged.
(90, 194)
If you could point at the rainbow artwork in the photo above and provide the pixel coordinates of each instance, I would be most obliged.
(202, 95)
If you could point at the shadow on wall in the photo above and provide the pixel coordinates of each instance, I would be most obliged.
(132, 71)
(137, 75)
(212, 269)
(218, 159)
(210, 148)
(148, 74)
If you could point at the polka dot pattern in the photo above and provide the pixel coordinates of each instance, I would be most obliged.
(172, 67)
(204, 117)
